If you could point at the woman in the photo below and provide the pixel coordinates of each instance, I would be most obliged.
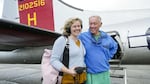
(71, 30)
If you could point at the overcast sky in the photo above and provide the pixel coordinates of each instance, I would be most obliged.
(109, 4)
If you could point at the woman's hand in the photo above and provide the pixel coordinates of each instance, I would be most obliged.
(72, 71)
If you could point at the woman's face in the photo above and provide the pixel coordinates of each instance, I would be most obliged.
(76, 28)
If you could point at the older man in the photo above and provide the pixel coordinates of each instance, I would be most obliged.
(100, 48)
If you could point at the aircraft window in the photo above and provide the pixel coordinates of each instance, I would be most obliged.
(140, 40)
(137, 41)
(148, 38)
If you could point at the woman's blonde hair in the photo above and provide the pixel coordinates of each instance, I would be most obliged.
(68, 24)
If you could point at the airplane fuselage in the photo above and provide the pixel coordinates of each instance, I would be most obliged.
(130, 29)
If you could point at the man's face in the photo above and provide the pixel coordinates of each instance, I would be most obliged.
(94, 24)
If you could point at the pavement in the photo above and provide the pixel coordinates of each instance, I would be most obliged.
(31, 74)
(20, 74)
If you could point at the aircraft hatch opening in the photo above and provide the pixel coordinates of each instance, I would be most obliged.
(117, 57)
